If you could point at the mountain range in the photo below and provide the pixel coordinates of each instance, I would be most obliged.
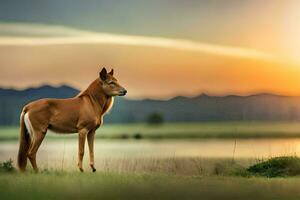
(178, 109)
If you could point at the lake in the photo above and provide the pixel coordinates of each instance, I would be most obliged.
(63, 153)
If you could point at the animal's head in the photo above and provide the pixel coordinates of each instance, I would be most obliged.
(110, 85)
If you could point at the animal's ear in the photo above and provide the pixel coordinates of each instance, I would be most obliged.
(103, 74)
(111, 72)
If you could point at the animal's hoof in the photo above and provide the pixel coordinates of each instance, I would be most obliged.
(81, 169)
(93, 168)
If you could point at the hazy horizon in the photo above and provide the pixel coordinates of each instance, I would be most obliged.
(153, 98)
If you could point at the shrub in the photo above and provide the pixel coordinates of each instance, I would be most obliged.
(7, 166)
(137, 136)
(278, 166)
(155, 119)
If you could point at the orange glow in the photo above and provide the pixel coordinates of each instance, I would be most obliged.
(146, 71)
(156, 67)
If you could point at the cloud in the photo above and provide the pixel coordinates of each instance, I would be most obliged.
(22, 34)
(36, 30)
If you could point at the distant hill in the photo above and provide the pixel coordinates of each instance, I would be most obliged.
(63, 91)
(177, 109)
(212, 108)
(12, 101)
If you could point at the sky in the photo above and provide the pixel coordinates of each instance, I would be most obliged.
(159, 49)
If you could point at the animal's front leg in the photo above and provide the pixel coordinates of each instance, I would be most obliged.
(81, 142)
(90, 138)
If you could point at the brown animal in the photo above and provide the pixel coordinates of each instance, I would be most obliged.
(82, 114)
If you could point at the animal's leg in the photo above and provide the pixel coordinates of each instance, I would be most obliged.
(90, 138)
(81, 142)
(37, 140)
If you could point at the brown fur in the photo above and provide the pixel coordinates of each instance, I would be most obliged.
(81, 114)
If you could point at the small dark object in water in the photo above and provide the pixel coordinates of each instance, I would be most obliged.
(137, 136)
(124, 136)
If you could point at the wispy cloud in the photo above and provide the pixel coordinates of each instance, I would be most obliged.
(35, 35)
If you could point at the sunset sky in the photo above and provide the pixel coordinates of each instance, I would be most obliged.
(158, 48)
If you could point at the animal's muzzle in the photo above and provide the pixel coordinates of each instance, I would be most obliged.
(123, 93)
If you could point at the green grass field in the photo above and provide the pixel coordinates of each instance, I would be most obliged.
(165, 179)
(186, 130)
(62, 185)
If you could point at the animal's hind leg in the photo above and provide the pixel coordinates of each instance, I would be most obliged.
(36, 142)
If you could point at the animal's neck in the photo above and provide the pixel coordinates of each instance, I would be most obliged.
(98, 96)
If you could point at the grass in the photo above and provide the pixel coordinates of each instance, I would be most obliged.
(173, 178)
(73, 185)
(186, 130)
(195, 166)
(284, 166)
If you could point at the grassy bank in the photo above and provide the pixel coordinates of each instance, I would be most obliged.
(165, 179)
(185, 130)
(56, 185)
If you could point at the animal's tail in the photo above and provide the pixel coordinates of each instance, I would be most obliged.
(24, 144)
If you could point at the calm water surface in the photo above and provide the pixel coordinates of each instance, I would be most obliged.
(215, 148)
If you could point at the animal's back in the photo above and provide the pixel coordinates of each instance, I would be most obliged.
(59, 115)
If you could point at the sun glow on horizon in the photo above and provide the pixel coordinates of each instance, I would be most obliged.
(291, 31)
(152, 67)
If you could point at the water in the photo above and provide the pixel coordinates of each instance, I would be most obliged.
(62, 154)
(212, 148)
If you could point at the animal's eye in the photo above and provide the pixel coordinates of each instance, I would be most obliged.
(111, 83)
